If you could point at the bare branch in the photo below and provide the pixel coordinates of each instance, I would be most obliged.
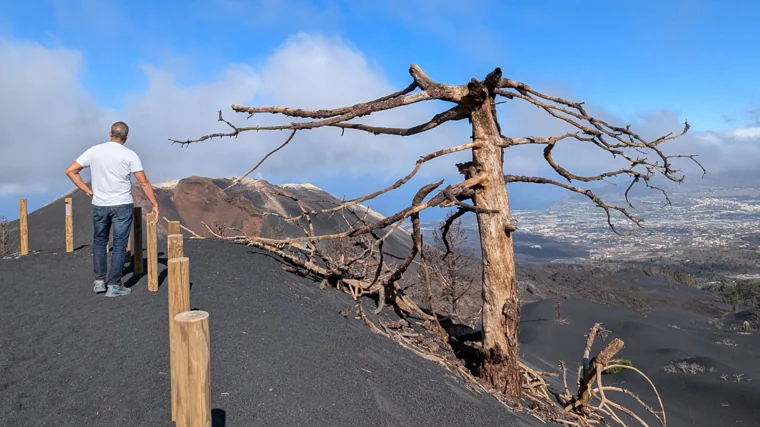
(239, 180)
(357, 110)
(508, 142)
(438, 90)
(648, 171)
(588, 193)
(338, 117)
(416, 233)
(453, 114)
(395, 185)
(613, 139)
(385, 222)
(194, 234)
(447, 226)
(318, 114)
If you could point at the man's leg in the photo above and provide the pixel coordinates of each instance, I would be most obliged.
(122, 223)
(101, 222)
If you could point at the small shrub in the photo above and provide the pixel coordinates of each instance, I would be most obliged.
(684, 368)
(558, 311)
(616, 369)
(727, 342)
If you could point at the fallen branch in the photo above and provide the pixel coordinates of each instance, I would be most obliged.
(592, 375)
(193, 233)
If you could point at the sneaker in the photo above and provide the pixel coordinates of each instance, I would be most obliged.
(118, 291)
(99, 286)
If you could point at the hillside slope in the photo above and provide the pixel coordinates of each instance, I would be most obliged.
(281, 352)
(285, 352)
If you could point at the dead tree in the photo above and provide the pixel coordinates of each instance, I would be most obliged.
(483, 190)
(452, 263)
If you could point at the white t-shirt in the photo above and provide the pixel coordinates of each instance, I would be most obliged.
(111, 165)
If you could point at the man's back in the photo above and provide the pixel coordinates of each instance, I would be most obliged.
(111, 165)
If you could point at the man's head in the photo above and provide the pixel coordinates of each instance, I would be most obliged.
(119, 132)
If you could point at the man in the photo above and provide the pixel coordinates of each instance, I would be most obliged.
(112, 165)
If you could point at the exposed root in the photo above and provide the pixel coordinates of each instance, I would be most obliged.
(362, 315)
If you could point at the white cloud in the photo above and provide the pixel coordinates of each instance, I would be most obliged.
(49, 118)
(733, 151)
(744, 134)
(47, 115)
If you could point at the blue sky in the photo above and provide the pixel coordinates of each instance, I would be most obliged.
(691, 59)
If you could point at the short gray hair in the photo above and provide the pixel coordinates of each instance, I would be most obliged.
(119, 130)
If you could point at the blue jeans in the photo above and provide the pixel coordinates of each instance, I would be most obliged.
(103, 217)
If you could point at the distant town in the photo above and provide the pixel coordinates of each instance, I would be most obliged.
(715, 217)
(709, 221)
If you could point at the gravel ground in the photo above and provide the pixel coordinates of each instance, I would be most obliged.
(282, 355)
(706, 373)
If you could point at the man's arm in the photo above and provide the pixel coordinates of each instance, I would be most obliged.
(73, 173)
(147, 188)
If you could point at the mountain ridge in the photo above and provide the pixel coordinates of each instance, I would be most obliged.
(255, 207)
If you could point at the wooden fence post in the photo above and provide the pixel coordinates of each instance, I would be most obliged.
(179, 301)
(137, 262)
(173, 228)
(69, 225)
(152, 252)
(129, 245)
(174, 246)
(194, 370)
(23, 228)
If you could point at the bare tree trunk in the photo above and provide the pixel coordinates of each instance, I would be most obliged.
(501, 305)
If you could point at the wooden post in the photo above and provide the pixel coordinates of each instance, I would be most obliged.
(174, 246)
(23, 227)
(194, 369)
(152, 252)
(138, 241)
(129, 245)
(173, 228)
(69, 225)
(179, 301)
